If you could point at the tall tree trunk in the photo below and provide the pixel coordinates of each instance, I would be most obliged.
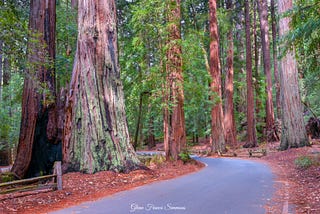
(1, 71)
(229, 122)
(217, 126)
(264, 28)
(256, 57)
(177, 133)
(242, 94)
(38, 134)
(96, 135)
(74, 4)
(251, 129)
(275, 58)
(293, 127)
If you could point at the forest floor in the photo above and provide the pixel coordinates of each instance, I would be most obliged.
(297, 189)
(298, 186)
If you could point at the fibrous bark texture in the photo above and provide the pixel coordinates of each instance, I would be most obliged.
(96, 136)
(37, 141)
(217, 126)
(293, 128)
(229, 121)
(176, 139)
(264, 28)
(251, 129)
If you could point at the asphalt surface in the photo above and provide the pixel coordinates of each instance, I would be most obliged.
(225, 186)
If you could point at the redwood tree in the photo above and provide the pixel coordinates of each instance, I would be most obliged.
(96, 135)
(293, 128)
(229, 121)
(74, 4)
(264, 28)
(37, 139)
(174, 121)
(251, 129)
(217, 126)
(275, 58)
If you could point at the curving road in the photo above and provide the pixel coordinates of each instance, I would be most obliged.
(225, 186)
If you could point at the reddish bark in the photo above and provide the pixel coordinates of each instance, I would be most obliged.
(74, 4)
(229, 121)
(251, 129)
(217, 126)
(96, 135)
(264, 28)
(38, 116)
(175, 142)
(293, 128)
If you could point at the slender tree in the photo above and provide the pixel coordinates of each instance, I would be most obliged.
(251, 130)
(96, 135)
(1, 72)
(74, 3)
(175, 140)
(217, 126)
(275, 58)
(256, 57)
(38, 133)
(264, 29)
(229, 121)
(293, 128)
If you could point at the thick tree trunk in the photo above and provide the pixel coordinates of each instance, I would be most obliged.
(177, 134)
(264, 28)
(275, 58)
(251, 129)
(229, 122)
(217, 132)
(38, 124)
(96, 135)
(293, 127)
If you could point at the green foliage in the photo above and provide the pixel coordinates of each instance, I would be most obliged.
(6, 177)
(14, 30)
(67, 31)
(142, 36)
(185, 156)
(303, 162)
(152, 160)
(10, 110)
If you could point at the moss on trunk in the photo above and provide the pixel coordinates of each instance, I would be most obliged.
(96, 135)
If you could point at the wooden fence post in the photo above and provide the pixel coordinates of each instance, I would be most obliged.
(58, 172)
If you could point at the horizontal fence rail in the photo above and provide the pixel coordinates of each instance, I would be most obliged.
(29, 184)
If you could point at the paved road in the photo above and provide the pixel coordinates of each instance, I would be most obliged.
(225, 186)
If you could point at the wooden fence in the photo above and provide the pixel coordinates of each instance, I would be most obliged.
(36, 183)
